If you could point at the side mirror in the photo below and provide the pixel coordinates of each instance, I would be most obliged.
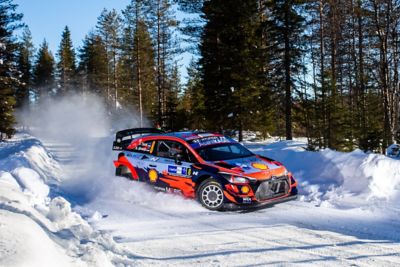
(178, 158)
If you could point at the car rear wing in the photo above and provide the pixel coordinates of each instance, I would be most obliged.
(123, 138)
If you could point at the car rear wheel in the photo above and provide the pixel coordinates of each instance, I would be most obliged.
(211, 195)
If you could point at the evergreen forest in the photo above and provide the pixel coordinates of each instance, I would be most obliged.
(327, 70)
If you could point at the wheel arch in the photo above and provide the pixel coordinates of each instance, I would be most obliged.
(201, 179)
(124, 171)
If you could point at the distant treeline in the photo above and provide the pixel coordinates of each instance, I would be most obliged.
(324, 69)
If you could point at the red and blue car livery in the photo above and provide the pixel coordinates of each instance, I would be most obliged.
(216, 170)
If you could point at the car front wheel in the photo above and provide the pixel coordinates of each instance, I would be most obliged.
(210, 194)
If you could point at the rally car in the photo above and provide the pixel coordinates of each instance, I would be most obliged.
(216, 170)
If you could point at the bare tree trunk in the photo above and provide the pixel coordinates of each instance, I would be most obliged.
(288, 81)
(115, 85)
(138, 67)
(361, 74)
(159, 78)
(382, 32)
(332, 102)
(322, 62)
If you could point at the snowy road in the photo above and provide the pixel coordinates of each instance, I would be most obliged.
(340, 218)
(286, 234)
(160, 229)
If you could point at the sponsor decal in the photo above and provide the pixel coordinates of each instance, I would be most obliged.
(246, 200)
(173, 190)
(160, 188)
(260, 166)
(172, 169)
(245, 189)
(243, 166)
(153, 175)
(179, 170)
(152, 147)
(145, 146)
(209, 141)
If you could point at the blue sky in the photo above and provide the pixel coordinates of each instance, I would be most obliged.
(47, 18)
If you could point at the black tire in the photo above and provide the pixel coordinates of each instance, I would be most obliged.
(210, 194)
(123, 171)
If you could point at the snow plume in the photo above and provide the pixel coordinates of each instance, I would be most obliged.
(78, 130)
(67, 118)
(76, 116)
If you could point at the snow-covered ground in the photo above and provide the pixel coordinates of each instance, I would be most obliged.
(60, 205)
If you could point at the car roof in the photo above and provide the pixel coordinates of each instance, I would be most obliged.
(189, 135)
(198, 139)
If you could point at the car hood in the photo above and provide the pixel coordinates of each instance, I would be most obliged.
(253, 166)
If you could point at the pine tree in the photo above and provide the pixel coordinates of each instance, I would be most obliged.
(171, 101)
(138, 68)
(93, 65)
(286, 26)
(191, 26)
(109, 29)
(9, 78)
(44, 71)
(66, 65)
(231, 63)
(144, 70)
(192, 107)
(344, 53)
(25, 56)
(163, 26)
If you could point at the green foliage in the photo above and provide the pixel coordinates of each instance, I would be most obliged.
(93, 65)
(44, 71)
(162, 22)
(230, 63)
(9, 75)
(191, 106)
(322, 69)
(285, 25)
(138, 74)
(171, 104)
(109, 29)
(66, 65)
(25, 67)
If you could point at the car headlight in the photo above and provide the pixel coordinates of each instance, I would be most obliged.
(235, 179)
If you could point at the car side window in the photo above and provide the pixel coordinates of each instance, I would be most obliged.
(169, 149)
(146, 147)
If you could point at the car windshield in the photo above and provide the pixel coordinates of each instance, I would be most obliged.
(225, 151)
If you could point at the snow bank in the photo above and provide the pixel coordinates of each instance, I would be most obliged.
(338, 179)
(26, 151)
(31, 182)
(37, 230)
(24, 243)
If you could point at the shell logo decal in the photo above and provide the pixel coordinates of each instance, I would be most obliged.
(153, 175)
(260, 166)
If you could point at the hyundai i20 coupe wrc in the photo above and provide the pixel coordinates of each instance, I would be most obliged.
(216, 170)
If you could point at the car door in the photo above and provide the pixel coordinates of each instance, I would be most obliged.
(142, 157)
(174, 176)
